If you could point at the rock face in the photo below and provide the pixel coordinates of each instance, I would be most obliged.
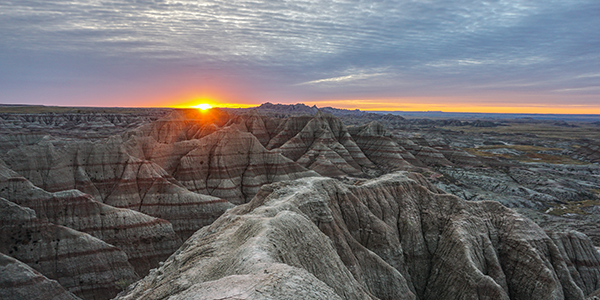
(84, 265)
(423, 154)
(581, 257)
(145, 239)
(394, 237)
(110, 175)
(228, 162)
(321, 143)
(379, 146)
(18, 281)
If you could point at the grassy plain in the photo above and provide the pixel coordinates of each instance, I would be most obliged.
(540, 129)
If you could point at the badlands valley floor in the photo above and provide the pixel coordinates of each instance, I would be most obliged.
(293, 202)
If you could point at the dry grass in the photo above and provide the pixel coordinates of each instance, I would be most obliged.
(543, 130)
(572, 207)
(530, 154)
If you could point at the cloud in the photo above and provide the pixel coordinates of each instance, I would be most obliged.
(581, 89)
(341, 79)
(440, 47)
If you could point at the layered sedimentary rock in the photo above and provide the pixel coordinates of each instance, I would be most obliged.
(587, 224)
(321, 143)
(146, 240)
(109, 174)
(18, 281)
(582, 258)
(388, 238)
(84, 265)
(378, 145)
(80, 123)
(229, 162)
(11, 141)
(260, 126)
(233, 165)
(456, 156)
(182, 125)
(424, 155)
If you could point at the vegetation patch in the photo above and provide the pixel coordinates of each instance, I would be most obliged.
(575, 207)
(529, 154)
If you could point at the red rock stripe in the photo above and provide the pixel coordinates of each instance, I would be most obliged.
(31, 281)
(176, 204)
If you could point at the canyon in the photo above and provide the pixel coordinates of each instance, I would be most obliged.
(293, 202)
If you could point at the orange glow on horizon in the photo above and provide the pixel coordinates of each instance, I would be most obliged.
(408, 106)
(512, 104)
(208, 101)
(458, 107)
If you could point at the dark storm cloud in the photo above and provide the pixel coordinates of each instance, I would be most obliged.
(311, 47)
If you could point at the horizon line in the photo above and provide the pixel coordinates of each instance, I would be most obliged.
(245, 106)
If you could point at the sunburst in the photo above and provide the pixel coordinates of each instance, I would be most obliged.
(203, 106)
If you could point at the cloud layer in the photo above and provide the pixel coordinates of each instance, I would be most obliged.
(302, 49)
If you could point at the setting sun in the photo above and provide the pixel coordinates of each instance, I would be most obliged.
(203, 106)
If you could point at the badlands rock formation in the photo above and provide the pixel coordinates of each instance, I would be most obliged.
(129, 200)
(18, 281)
(394, 237)
(424, 155)
(145, 239)
(321, 143)
(81, 123)
(227, 162)
(84, 265)
(105, 170)
(379, 146)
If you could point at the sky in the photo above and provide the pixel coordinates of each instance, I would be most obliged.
(523, 56)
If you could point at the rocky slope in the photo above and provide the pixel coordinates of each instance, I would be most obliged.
(84, 265)
(145, 240)
(105, 170)
(379, 146)
(18, 281)
(388, 238)
(225, 161)
(321, 143)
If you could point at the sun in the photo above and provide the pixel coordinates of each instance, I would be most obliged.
(203, 106)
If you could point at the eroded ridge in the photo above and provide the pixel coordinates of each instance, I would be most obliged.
(395, 237)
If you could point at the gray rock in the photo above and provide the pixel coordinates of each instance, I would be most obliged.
(388, 238)
(19, 281)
